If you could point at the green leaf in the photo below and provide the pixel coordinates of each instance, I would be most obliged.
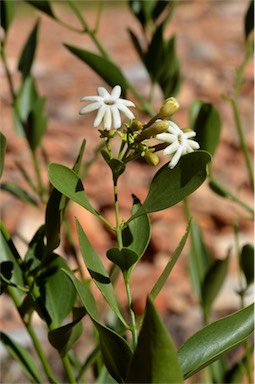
(63, 338)
(155, 358)
(23, 104)
(57, 291)
(124, 257)
(109, 72)
(8, 253)
(247, 263)
(27, 56)
(6, 14)
(169, 266)
(199, 258)
(69, 184)
(6, 268)
(85, 295)
(19, 193)
(136, 235)
(98, 271)
(207, 125)
(2, 152)
(55, 209)
(170, 186)
(42, 5)
(36, 123)
(36, 250)
(213, 282)
(212, 341)
(115, 351)
(249, 20)
(22, 356)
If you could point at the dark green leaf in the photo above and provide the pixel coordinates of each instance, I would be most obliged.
(247, 263)
(213, 282)
(8, 253)
(211, 342)
(36, 250)
(115, 351)
(136, 44)
(6, 14)
(155, 358)
(97, 271)
(109, 72)
(170, 186)
(27, 56)
(249, 20)
(124, 258)
(136, 235)
(63, 338)
(57, 291)
(199, 258)
(69, 184)
(85, 295)
(42, 5)
(36, 123)
(6, 268)
(168, 268)
(2, 152)
(18, 192)
(22, 356)
(207, 125)
(55, 209)
(23, 104)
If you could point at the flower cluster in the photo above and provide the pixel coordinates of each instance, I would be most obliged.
(160, 128)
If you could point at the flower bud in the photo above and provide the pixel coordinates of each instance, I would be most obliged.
(159, 126)
(151, 158)
(168, 108)
(135, 126)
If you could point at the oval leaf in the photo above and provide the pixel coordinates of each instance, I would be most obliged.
(155, 358)
(124, 257)
(170, 186)
(209, 343)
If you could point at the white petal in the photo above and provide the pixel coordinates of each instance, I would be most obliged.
(100, 115)
(167, 137)
(103, 92)
(91, 98)
(116, 92)
(90, 108)
(116, 117)
(107, 119)
(175, 158)
(171, 148)
(193, 144)
(125, 110)
(127, 103)
(173, 128)
(189, 134)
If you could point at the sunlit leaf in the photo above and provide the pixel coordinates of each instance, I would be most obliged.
(155, 358)
(211, 342)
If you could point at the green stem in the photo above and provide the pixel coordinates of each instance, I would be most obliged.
(117, 219)
(41, 189)
(68, 369)
(133, 326)
(243, 144)
(36, 342)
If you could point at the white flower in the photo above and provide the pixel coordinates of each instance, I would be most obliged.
(179, 141)
(108, 106)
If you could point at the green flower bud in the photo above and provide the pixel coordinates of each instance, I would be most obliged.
(159, 126)
(135, 126)
(168, 108)
(151, 158)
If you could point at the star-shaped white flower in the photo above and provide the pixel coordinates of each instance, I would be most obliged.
(108, 106)
(179, 141)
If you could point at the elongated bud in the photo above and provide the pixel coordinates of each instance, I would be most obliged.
(168, 108)
(135, 126)
(159, 126)
(151, 158)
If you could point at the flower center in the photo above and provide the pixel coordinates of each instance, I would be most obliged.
(180, 139)
(109, 102)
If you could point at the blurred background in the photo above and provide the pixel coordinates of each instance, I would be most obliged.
(210, 46)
